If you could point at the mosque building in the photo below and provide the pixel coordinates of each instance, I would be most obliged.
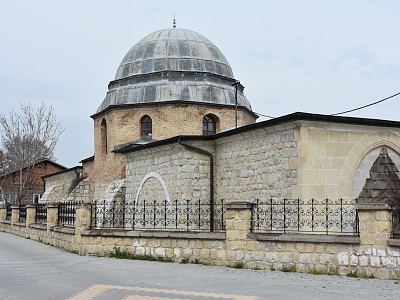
(175, 125)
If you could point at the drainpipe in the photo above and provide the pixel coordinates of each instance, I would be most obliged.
(202, 151)
(77, 173)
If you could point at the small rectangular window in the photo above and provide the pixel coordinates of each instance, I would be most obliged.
(36, 198)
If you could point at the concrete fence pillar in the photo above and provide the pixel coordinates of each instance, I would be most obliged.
(238, 225)
(82, 217)
(14, 214)
(30, 214)
(3, 212)
(52, 215)
(375, 223)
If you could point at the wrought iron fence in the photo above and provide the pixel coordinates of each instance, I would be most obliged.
(8, 212)
(324, 216)
(66, 213)
(40, 213)
(395, 221)
(175, 215)
(22, 213)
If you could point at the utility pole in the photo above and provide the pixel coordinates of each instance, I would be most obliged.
(236, 101)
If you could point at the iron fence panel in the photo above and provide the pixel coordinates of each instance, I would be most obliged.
(66, 213)
(40, 213)
(8, 212)
(22, 213)
(174, 215)
(324, 216)
(396, 220)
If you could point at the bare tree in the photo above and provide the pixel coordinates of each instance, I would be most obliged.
(3, 172)
(28, 138)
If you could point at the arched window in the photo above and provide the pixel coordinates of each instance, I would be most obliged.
(146, 128)
(103, 136)
(209, 125)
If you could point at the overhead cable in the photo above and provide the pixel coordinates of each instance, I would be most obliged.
(263, 115)
(351, 110)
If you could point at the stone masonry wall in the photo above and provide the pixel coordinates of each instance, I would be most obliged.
(371, 254)
(256, 165)
(169, 172)
(329, 156)
(59, 186)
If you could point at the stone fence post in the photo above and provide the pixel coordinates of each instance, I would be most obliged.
(82, 217)
(30, 214)
(14, 214)
(3, 212)
(52, 215)
(375, 223)
(238, 226)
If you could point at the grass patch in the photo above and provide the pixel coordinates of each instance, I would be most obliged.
(185, 260)
(334, 271)
(125, 254)
(290, 269)
(317, 271)
(357, 274)
(322, 271)
(238, 265)
(197, 261)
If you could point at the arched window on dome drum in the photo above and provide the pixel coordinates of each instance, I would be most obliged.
(146, 128)
(103, 136)
(209, 125)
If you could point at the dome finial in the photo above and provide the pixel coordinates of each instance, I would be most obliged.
(174, 22)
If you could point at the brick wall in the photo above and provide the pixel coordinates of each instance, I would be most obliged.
(10, 184)
(123, 125)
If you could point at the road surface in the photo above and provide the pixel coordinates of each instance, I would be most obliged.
(32, 270)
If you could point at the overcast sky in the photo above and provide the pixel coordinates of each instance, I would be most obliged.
(311, 56)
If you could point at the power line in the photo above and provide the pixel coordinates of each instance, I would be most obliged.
(347, 111)
(263, 115)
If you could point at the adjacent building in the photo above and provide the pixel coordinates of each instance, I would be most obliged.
(32, 179)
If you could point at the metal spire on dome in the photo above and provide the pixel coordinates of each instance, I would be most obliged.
(174, 22)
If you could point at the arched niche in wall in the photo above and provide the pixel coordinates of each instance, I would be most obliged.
(152, 187)
(362, 172)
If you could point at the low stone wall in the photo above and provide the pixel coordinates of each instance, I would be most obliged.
(373, 253)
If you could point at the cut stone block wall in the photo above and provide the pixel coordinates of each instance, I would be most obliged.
(59, 186)
(330, 154)
(374, 253)
(170, 172)
(256, 165)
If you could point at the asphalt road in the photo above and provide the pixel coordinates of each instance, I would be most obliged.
(32, 270)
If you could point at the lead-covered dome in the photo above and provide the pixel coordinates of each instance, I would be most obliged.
(174, 65)
(174, 49)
